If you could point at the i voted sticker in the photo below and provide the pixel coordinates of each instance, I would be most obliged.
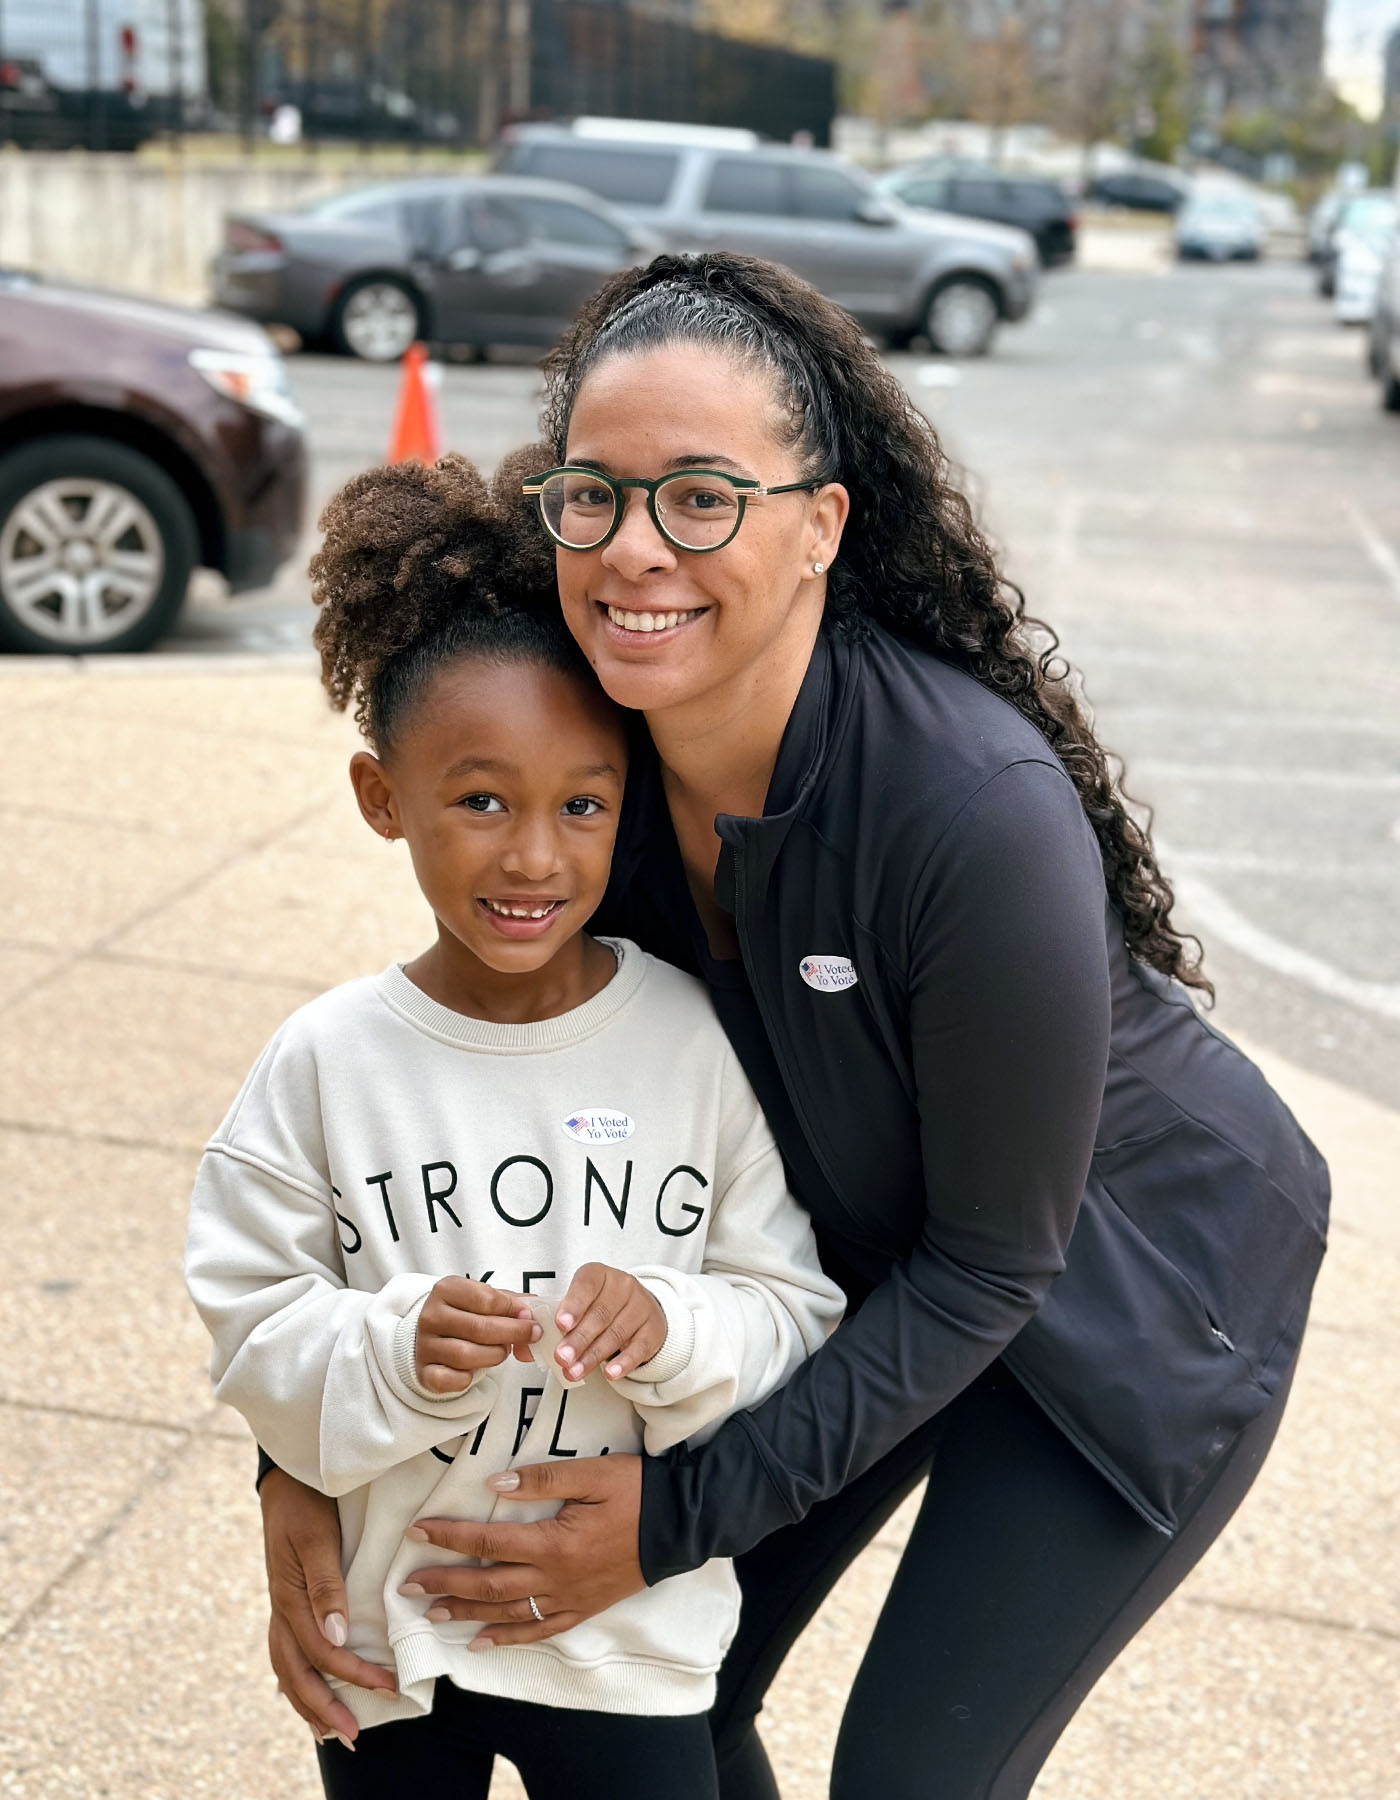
(598, 1125)
(828, 974)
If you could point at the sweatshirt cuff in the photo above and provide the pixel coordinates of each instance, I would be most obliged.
(674, 1355)
(406, 1360)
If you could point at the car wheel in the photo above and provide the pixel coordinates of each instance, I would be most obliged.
(1390, 392)
(376, 319)
(96, 547)
(961, 318)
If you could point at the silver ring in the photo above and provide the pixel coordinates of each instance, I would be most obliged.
(539, 1616)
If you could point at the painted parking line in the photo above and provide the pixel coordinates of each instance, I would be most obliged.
(1386, 561)
(1220, 918)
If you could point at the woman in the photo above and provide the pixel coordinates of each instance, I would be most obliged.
(1077, 1230)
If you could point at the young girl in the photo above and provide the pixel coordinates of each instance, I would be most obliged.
(522, 1110)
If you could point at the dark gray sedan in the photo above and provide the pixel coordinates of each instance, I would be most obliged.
(493, 260)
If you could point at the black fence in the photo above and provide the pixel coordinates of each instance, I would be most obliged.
(428, 72)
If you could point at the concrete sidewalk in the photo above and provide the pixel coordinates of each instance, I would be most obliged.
(182, 866)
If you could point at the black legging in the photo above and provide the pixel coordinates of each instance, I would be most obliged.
(1024, 1576)
(561, 1754)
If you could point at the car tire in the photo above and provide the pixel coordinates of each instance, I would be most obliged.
(111, 530)
(961, 316)
(1390, 392)
(376, 319)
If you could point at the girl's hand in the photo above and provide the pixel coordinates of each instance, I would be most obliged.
(574, 1564)
(608, 1317)
(301, 1538)
(465, 1326)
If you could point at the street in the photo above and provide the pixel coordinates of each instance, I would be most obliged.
(1191, 480)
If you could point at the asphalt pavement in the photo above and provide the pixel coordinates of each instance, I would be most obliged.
(1191, 480)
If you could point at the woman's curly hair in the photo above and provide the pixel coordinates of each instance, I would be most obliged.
(913, 558)
(421, 564)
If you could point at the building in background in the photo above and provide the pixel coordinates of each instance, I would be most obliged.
(1256, 56)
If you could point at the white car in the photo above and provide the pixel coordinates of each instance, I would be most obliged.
(1361, 243)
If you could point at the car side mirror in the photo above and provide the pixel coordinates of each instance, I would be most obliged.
(463, 259)
(875, 211)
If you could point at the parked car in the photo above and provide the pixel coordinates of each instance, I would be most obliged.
(1358, 211)
(1220, 224)
(901, 271)
(139, 440)
(461, 261)
(1037, 205)
(1138, 191)
(1383, 337)
(1359, 248)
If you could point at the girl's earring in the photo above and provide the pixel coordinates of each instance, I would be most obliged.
(818, 568)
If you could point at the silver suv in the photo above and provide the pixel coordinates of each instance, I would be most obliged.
(902, 272)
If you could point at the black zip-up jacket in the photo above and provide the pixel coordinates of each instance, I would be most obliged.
(1014, 1140)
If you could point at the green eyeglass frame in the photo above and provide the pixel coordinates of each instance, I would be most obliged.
(745, 489)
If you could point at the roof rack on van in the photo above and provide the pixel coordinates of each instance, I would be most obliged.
(657, 131)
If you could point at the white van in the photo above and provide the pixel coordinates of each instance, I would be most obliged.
(145, 49)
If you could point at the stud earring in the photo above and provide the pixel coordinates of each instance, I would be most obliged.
(818, 568)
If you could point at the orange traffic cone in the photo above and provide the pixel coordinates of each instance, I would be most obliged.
(416, 437)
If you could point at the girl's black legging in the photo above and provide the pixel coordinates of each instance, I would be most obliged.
(561, 1754)
(1024, 1576)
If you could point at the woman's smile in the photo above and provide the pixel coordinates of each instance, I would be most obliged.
(652, 622)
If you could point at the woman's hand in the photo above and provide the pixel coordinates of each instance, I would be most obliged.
(301, 1539)
(574, 1565)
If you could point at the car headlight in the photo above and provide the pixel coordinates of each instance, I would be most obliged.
(257, 382)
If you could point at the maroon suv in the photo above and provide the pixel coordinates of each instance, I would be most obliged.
(137, 441)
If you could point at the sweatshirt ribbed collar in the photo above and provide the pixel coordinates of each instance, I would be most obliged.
(412, 1004)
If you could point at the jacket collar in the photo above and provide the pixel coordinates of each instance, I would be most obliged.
(802, 758)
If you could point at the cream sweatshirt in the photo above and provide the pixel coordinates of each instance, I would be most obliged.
(382, 1142)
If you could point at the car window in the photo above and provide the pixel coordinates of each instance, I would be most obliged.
(425, 222)
(492, 223)
(559, 223)
(626, 177)
(926, 191)
(747, 184)
(380, 206)
(825, 194)
(977, 196)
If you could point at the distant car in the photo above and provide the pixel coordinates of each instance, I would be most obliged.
(1321, 221)
(454, 260)
(139, 440)
(1360, 244)
(1137, 191)
(1039, 206)
(1220, 225)
(1358, 210)
(902, 272)
(1383, 338)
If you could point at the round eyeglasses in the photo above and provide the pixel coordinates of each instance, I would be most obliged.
(694, 509)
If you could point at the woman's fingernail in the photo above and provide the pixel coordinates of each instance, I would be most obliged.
(417, 1533)
(614, 1370)
(565, 1321)
(345, 1740)
(335, 1629)
(503, 1483)
(535, 1334)
(437, 1614)
(481, 1643)
(412, 1590)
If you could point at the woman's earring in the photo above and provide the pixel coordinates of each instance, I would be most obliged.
(818, 568)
